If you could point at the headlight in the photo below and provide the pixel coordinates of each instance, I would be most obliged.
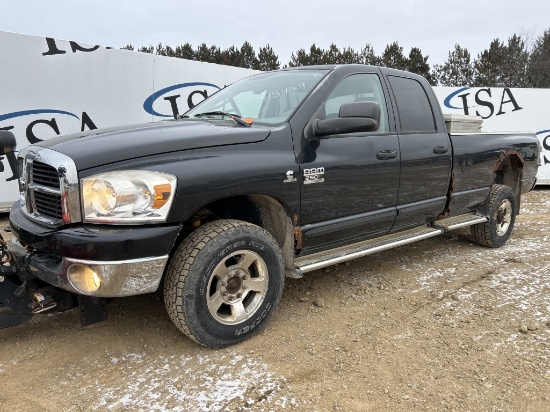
(125, 197)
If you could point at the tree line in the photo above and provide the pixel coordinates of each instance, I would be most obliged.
(518, 62)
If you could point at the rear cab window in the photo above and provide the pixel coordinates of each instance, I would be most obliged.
(414, 108)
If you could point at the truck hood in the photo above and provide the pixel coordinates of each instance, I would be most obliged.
(104, 146)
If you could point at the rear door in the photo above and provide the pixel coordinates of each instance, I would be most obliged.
(426, 155)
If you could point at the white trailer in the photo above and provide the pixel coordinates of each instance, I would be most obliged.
(54, 87)
(505, 110)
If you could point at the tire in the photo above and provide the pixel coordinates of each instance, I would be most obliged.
(501, 205)
(224, 282)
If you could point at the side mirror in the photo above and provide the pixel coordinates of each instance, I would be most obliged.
(7, 142)
(353, 117)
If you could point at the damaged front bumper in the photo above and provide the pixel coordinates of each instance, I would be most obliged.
(109, 279)
(22, 295)
(96, 260)
(56, 269)
(34, 282)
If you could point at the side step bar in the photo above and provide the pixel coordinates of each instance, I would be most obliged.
(456, 222)
(342, 254)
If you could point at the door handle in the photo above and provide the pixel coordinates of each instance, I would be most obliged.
(440, 149)
(386, 154)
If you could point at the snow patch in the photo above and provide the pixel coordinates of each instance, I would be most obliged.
(149, 382)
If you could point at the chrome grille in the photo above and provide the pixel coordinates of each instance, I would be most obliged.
(49, 186)
(48, 204)
(44, 175)
(43, 192)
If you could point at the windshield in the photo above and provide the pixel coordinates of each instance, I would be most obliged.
(267, 98)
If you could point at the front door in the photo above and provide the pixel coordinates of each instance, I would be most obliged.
(349, 182)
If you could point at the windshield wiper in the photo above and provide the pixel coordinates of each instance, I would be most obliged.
(234, 116)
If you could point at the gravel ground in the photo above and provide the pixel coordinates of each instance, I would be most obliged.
(438, 325)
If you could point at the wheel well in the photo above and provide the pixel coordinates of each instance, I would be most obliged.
(260, 210)
(508, 171)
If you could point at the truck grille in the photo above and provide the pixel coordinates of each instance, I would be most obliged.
(44, 191)
(45, 175)
(48, 204)
(49, 187)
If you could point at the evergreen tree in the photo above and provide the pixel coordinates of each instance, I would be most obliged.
(231, 57)
(393, 57)
(160, 50)
(185, 51)
(316, 55)
(489, 64)
(538, 69)
(349, 56)
(249, 59)
(367, 56)
(514, 68)
(511, 64)
(267, 59)
(170, 52)
(301, 58)
(207, 54)
(418, 64)
(332, 55)
(457, 70)
(146, 49)
(215, 55)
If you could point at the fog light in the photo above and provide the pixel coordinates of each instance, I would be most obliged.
(83, 278)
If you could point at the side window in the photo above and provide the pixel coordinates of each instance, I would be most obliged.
(358, 88)
(415, 111)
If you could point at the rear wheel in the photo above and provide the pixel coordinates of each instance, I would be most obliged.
(224, 282)
(502, 216)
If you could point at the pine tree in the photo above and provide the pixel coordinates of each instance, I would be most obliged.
(207, 54)
(185, 51)
(249, 59)
(489, 64)
(231, 57)
(146, 49)
(514, 69)
(349, 56)
(301, 58)
(538, 69)
(367, 56)
(417, 63)
(393, 57)
(332, 55)
(160, 50)
(316, 55)
(457, 70)
(267, 58)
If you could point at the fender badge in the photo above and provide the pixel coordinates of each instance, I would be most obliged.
(290, 177)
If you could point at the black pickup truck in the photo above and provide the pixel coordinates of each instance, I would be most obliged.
(279, 174)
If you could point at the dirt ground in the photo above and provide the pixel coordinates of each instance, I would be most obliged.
(438, 325)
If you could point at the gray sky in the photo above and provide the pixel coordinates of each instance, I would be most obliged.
(433, 26)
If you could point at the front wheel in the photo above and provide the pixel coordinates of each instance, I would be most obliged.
(502, 216)
(224, 282)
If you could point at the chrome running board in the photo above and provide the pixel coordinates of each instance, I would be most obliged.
(341, 254)
(456, 222)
